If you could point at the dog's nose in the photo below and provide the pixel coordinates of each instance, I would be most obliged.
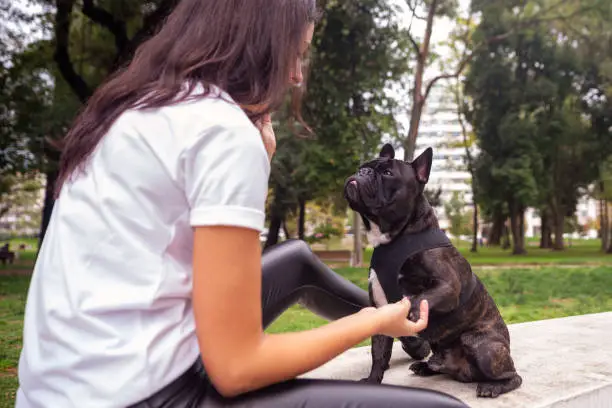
(365, 171)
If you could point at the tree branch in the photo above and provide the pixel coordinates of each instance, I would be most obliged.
(62, 56)
(500, 37)
(415, 45)
(455, 74)
(413, 8)
(107, 20)
(150, 24)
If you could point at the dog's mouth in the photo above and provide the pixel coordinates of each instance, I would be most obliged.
(351, 191)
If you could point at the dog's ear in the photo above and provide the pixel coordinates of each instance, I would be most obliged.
(387, 151)
(422, 165)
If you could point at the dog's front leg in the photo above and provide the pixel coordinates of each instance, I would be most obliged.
(442, 299)
(382, 346)
(443, 296)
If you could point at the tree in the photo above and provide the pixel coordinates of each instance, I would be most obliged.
(539, 146)
(90, 40)
(22, 202)
(468, 141)
(500, 111)
(594, 50)
(603, 192)
(358, 51)
(515, 15)
(25, 97)
(457, 215)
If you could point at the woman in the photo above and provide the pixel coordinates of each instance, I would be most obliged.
(149, 289)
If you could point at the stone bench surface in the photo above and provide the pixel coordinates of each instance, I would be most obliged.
(565, 362)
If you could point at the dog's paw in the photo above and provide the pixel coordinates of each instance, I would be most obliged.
(372, 379)
(422, 369)
(414, 314)
(418, 349)
(489, 390)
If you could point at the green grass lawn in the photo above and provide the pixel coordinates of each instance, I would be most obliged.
(580, 253)
(522, 294)
(13, 291)
(525, 288)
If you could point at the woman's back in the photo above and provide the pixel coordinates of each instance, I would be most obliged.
(110, 294)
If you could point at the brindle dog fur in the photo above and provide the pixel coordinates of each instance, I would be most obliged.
(470, 341)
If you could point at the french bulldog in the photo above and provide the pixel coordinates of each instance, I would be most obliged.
(466, 333)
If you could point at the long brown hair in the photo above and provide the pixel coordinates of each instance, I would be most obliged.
(245, 47)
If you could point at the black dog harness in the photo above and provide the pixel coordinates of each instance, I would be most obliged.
(388, 259)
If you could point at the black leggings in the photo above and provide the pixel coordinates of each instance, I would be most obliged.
(293, 274)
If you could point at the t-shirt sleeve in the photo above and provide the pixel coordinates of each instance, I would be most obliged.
(226, 170)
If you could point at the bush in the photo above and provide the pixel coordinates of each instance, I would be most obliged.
(323, 232)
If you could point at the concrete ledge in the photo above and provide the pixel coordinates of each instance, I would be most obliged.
(564, 362)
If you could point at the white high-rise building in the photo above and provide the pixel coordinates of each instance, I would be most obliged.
(441, 130)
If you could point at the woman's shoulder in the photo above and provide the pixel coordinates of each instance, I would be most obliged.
(211, 104)
(199, 112)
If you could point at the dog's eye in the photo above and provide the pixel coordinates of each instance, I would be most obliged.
(387, 173)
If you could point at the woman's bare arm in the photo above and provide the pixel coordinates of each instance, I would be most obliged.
(239, 356)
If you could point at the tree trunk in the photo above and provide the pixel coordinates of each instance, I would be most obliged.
(357, 241)
(275, 225)
(475, 225)
(506, 234)
(609, 233)
(603, 225)
(522, 228)
(415, 120)
(496, 231)
(516, 227)
(418, 97)
(558, 226)
(286, 230)
(302, 219)
(546, 238)
(48, 204)
(559, 244)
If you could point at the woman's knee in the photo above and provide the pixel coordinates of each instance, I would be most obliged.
(291, 251)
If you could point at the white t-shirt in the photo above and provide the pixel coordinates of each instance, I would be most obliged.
(109, 317)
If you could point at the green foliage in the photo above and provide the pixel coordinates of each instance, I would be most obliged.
(21, 200)
(324, 232)
(528, 93)
(358, 50)
(459, 217)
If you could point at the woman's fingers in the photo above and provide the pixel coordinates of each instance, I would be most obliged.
(421, 324)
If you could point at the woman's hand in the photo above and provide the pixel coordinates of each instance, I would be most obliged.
(393, 319)
(267, 134)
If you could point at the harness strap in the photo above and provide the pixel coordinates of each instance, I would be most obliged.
(388, 259)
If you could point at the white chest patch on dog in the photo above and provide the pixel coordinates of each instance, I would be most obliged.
(375, 237)
(378, 294)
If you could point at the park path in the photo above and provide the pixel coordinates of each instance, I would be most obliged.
(27, 272)
(540, 265)
(14, 272)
